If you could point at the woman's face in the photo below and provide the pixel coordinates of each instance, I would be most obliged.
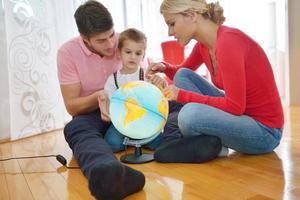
(182, 27)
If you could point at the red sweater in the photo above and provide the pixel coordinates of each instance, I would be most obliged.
(243, 72)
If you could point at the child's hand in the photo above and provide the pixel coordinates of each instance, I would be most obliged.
(171, 92)
(158, 81)
(103, 102)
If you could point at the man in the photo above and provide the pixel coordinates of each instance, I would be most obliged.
(84, 64)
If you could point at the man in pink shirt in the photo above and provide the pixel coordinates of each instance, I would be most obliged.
(84, 64)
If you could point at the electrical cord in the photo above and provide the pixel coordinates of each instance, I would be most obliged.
(58, 157)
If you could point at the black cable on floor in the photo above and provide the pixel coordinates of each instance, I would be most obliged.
(58, 157)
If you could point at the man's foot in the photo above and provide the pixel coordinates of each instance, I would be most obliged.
(114, 181)
(194, 149)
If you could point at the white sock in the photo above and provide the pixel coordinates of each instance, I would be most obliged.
(224, 152)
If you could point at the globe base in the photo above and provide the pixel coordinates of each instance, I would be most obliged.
(137, 157)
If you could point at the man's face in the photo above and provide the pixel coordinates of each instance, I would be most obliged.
(103, 43)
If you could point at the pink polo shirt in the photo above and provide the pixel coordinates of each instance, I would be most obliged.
(77, 64)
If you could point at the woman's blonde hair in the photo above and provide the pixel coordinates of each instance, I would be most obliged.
(212, 11)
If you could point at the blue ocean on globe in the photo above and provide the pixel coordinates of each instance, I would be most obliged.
(138, 110)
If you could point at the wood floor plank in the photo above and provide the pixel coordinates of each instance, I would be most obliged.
(39, 188)
(76, 181)
(18, 187)
(4, 194)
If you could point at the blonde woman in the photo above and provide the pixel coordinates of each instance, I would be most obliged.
(242, 106)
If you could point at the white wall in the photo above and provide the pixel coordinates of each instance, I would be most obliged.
(293, 75)
(4, 87)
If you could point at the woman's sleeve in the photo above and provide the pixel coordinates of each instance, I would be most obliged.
(192, 62)
(230, 55)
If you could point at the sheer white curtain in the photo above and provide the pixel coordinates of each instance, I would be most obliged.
(31, 33)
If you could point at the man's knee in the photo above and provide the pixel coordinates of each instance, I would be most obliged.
(72, 125)
(77, 126)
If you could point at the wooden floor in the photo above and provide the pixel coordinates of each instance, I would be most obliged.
(272, 176)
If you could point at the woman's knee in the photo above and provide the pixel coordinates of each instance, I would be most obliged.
(186, 119)
(194, 117)
(181, 75)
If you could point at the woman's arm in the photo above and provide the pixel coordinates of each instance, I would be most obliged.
(230, 57)
(194, 60)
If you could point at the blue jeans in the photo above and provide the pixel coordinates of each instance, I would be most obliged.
(115, 139)
(84, 134)
(241, 133)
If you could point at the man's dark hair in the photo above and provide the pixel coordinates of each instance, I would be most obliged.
(92, 17)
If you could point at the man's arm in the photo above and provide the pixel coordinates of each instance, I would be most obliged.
(75, 104)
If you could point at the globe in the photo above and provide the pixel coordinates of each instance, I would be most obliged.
(138, 110)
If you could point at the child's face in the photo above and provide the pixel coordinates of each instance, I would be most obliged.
(132, 54)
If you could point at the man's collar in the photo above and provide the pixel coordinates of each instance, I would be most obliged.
(84, 48)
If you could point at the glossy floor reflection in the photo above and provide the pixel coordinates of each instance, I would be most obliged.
(271, 176)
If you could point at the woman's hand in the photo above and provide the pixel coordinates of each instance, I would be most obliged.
(171, 92)
(158, 81)
(154, 68)
(103, 102)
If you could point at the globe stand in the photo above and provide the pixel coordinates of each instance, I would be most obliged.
(137, 157)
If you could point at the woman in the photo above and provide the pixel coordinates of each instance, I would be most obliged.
(242, 107)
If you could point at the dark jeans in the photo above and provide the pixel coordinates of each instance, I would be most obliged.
(84, 134)
(171, 130)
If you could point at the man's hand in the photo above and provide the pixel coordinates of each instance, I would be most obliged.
(171, 92)
(154, 68)
(103, 102)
